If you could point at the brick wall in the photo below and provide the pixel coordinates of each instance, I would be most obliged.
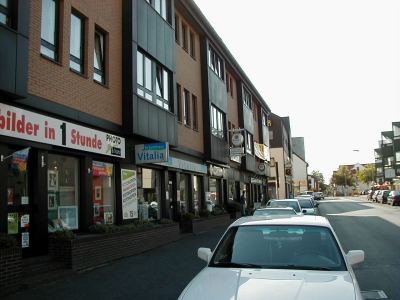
(10, 270)
(205, 224)
(92, 250)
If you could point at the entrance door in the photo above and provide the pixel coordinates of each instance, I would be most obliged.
(172, 195)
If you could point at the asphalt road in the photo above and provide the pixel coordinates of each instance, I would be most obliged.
(164, 272)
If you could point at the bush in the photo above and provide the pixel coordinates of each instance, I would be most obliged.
(204, 213)
(63, 234)
(234, 206)
(187, 216)
(111, 228)
(7, 241)
(166, 221)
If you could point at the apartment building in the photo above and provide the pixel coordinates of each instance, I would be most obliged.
(113, 111)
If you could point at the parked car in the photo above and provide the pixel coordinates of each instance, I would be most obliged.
(293, 203)
(307, 206)
(373, 197)
(296, 257)
(274, 211)
(382, 196)
(369, 194)
(318, 196)
(307, 197)
(393, 198)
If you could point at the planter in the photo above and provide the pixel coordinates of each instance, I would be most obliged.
(96, 249)
(10, 270)
(205, 224)
(235, 215)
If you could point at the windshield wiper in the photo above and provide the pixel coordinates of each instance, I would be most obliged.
(236, 265)
(299, 267)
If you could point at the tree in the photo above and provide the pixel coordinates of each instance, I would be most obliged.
(368, 174)
(343, 177)
(318, 175)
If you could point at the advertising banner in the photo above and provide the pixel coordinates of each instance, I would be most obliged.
(129, 194)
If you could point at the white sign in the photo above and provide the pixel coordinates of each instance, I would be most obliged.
(237, 139)
(236, 151)
(129, 194)
(24, 220)
(23, 124)
(152, 153)
(25, 240)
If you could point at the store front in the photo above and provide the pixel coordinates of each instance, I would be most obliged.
(59, 176)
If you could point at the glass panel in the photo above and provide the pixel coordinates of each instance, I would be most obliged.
(157, 5)
(76, 37)
(149, 96)
(63, 192)
(196, 193)
(166, 84)
(48, 26)
(159, 102)
(164, 9)
(4, 3)
(103, 192)
(3, 18)
(98, 77)
(149, 194)
(17, 179)
(140, 92)
(75, 66)
(48, 52)
(140, 68)
(159, 82)
(148, 73)
(183, 187)
(98, 51)
(214, 191)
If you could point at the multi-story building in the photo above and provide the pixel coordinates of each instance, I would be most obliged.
(299, 166)
(281, 184)
(114, 111)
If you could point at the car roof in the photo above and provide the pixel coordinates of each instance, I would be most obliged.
(276, 207)
(281, 200)
(307, 220)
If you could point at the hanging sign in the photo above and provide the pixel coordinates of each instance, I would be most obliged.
(152, 153)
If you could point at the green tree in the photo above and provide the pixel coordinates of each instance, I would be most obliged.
(368, 174)
(318, 175)
(343, 177)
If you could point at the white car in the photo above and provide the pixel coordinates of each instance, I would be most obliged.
(268, 257)
(293, 203)
(274, 211)
(307, 206)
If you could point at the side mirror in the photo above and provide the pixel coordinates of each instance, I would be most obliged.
(316, 204)
(355, 256)
(204, 253)
(304, 211)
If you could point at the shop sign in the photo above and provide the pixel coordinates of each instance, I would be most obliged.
(261, 167)
(152, 153)
(237, 139)
(216, 171)
(236, 151)
(23, 124)
(184, 165)
(129, 194)
(24, 220)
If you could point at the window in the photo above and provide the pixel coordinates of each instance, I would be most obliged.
(229, 85)
(179, 95)
(177, 29)
(184, 36)
(194, 112)
(183, 196)
(49, 29)
(249, 143)
(254, 111)
(149, 189)
(162, 7)
(5, 12)
(103, 186)
(192, 44)
(217, 123)
(62, 192)
(246, 98)
(186, 119)
(18, 172)
(76, 47)
(216, 63)
(162, 87)
(264, 119)
(99, 51)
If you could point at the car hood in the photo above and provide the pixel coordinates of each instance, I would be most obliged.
(271, 284)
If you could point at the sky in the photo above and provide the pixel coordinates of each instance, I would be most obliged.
(332, 66)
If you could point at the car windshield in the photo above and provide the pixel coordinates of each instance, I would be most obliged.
(305, 203)
(279, 247)
(277, 211)
(292, 204)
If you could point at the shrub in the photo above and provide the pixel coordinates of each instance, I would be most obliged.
(166, 221)
(204, 213)
(234, 206)
(63, 234)
(7, 241)
(111, 228)
(187, 216)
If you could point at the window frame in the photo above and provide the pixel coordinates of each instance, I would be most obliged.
(97, 71)
(247, 98)
(217, 123)
(216, 63)
(186, 107)
(184, 36)
(192, 42)
(177, 30)
(179, 101)
(163, 8)
(249, 143)
(46, 46)
(79, 61)
(194, 112)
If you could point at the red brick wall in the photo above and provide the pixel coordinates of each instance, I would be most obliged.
(57, 83)
(10, 270)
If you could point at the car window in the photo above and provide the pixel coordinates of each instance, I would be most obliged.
(305, 203)
(283, 246)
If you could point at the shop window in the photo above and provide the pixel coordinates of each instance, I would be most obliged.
(183, 196)
(148, 193)
(62, 192)
(214, 189)
(197, 190)
(103, 192)
(17, 177)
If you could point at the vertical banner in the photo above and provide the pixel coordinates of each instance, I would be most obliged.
(19, 160)
(129, 194)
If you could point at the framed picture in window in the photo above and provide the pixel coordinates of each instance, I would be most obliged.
(108, 217)
(52, 180)
(69, 216)
(97, 192)
(96, 209)
(51, 201)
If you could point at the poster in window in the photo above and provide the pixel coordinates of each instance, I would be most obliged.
(96, 209)
(69, 216)
(10, 196)
(52, 178)
(108, 217)
(51, 201)
(97, 192)
(12, 223)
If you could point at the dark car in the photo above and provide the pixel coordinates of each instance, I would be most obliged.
(318, 196)
(393, 198)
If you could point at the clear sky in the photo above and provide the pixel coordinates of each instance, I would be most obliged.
(332, 66)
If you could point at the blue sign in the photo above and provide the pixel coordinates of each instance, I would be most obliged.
(152, 153)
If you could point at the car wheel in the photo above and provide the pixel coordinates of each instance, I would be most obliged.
(393, 204)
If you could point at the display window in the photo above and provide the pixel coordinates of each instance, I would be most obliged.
(62, 192)
(196, 194)
(149, 194)
(183, 195)
(17, 177)
(214, 189)
(103, 189)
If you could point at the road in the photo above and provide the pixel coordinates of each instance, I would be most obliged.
(163, 272)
